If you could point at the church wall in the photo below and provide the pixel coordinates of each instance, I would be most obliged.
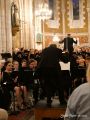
(63, 23)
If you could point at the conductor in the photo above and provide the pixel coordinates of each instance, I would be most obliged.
(68, 43)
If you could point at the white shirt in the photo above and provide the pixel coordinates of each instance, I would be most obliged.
(65, 66)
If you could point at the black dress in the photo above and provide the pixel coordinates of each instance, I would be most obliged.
(26, 77)
(7, 87)
(16, 74)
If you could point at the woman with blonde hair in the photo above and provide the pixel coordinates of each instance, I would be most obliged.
(3, 114)
(78, 106)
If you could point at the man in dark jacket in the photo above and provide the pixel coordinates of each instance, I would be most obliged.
(49, 70)
(68, 43)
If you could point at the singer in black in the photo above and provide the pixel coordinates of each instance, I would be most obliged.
(7, 85)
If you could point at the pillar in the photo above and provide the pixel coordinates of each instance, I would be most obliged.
(88, 10)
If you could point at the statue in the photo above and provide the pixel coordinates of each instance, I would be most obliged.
(14, 18)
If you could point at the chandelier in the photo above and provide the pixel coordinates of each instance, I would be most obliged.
(43, 11)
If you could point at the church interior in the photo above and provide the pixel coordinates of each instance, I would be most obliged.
(27, 28)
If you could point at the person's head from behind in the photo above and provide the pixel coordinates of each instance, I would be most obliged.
(68, 35)
(53, 45)
(88, 73)
(3, 114)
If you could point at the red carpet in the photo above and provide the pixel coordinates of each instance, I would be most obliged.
(23, 115)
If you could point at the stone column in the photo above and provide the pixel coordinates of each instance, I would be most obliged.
(27, 23)
(88, 10)
(26, 17)
(8, 26)
(63, 17)
(0, 31)
(31, 26)
(22, 22)
(3, 26)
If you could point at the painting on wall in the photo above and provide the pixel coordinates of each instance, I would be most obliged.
(54, 25)
(51, 6)
(39, 38)
(53, 22)
(76, 15)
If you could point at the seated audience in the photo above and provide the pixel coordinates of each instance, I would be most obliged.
(34, 81)
(16, 80)
(24, 83)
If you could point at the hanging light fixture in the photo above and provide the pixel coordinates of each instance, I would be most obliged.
(43, 11)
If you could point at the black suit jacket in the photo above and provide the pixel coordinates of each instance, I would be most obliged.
(49, 68)
(50, 57)
(49, 63)
(68, 43)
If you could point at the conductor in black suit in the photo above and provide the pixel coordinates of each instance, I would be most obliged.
(49, 70)
(68, 43)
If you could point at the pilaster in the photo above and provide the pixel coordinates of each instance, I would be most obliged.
(3, 26)
(0, 31)
(8, 26)
(88, 10)
(63, 16)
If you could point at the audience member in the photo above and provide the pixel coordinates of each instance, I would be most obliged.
(7, 85)
(3, 114)
(78, 107)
